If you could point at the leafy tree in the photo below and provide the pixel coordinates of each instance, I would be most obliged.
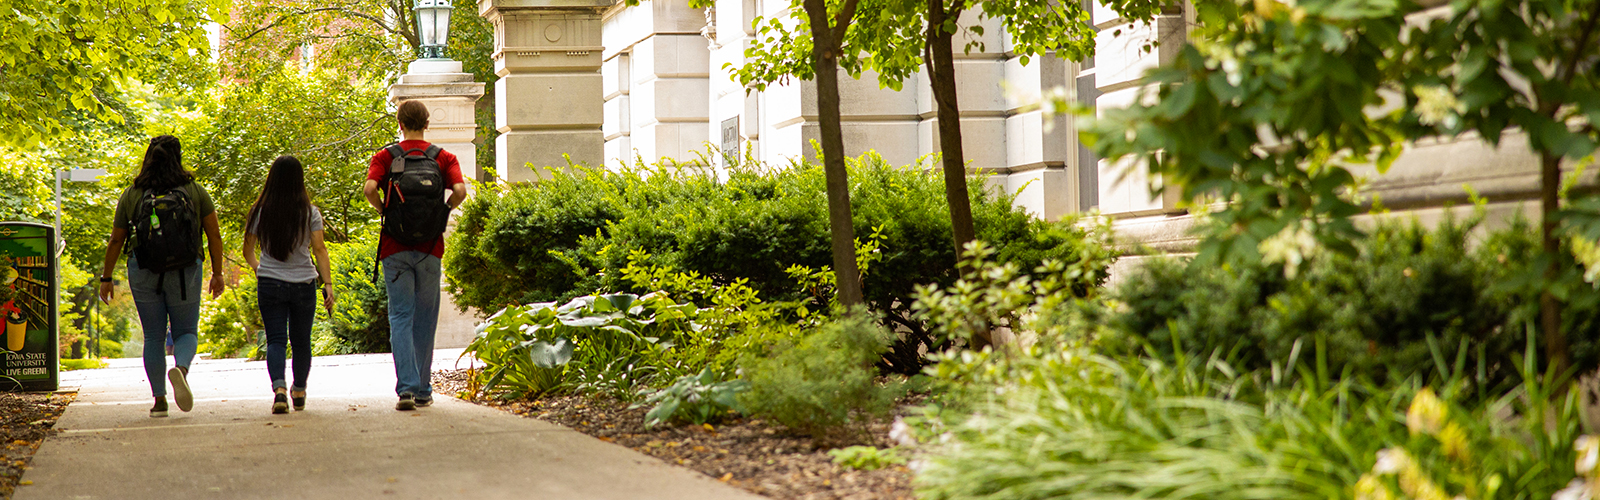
(331, 123)
(68, 59)
(828, 24)
(366, 40)
(1272, 99)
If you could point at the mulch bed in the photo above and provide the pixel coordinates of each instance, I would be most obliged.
(757, 456)
(25, 420)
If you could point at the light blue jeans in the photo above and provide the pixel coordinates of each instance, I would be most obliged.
(412, 280)
(174, 305)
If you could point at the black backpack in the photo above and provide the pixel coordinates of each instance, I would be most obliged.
(166, 232)
(414, 209)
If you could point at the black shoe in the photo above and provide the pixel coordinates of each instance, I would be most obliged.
(407, 403)
(427, 401)
(160, 409)
(299, 401)
(280, 403)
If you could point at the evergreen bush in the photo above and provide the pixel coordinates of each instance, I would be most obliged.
(1408, 295)
(360, 322)
(573, 233)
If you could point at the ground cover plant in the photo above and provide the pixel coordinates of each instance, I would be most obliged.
(574, 234)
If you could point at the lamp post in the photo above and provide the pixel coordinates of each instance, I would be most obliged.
(433, 26)
(74, 175)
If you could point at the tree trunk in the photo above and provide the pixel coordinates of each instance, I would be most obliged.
(941, 67)
(942, 77)
(825, 60)
(1555, 344)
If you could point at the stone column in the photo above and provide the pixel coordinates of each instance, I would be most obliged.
(449, 95)
(548, 102)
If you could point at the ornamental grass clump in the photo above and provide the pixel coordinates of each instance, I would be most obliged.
(1057, 421)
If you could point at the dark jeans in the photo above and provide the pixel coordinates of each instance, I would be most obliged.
(287, 310)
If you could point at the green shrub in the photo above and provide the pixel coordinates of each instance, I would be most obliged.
(823, 384)
(228, 324)
(360, 321)
(1407, 295)
(82, 364)
(572, 234)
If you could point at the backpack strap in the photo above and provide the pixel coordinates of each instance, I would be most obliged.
(433, 151)
(398, 162)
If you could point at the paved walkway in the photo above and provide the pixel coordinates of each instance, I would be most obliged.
(349, 444)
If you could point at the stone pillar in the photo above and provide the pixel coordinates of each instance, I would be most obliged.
(548, 102)
(449, 95)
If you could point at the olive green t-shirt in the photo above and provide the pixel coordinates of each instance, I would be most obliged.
(197, 195)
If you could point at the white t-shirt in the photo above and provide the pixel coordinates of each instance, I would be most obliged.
(298, 268)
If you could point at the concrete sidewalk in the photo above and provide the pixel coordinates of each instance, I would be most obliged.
(348, 444)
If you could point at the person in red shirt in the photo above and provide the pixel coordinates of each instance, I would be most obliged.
(411, 272)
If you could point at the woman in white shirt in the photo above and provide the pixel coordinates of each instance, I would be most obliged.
(289, 230)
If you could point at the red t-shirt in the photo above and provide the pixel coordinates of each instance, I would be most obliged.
(449, 168)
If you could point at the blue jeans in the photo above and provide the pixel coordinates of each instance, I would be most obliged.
(412, 280)
(163, 308)
(287, 310)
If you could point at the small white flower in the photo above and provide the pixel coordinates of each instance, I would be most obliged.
(1575, 490)
(900, 433)
(1391, 461)
(1588, 448)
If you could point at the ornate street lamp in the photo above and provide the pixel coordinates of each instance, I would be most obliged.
(433, 26)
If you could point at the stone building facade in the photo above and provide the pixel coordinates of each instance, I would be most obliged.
(603, 82)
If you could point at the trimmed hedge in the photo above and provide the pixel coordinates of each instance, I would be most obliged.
(571, 234)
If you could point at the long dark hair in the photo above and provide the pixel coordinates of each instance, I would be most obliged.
(282, 213)
(163, 165)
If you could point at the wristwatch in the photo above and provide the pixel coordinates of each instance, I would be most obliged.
(105, 279)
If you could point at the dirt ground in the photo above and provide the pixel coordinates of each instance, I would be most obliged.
(25, 420)
(757, 456)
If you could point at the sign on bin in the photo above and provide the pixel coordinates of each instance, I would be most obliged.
(28, 304)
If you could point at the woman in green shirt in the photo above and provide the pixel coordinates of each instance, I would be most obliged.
(164, 213)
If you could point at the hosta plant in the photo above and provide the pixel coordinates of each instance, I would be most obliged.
(696, 399)
(537, 348)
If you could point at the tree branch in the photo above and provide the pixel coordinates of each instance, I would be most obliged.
(841, 22)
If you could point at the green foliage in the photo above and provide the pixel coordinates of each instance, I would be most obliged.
(360, 321)
(331, 123)
(602, 343)
(1272, 99)
(576, 232)
(69, 60)
(1057, 421)
(991, 296)
(229, 323)
(866, 457)
(82, 364)
(889, 37)
(8, 275)
(696, 399)
(823, 383)
(1406, 296)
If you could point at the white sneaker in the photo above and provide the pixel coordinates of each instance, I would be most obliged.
(180, 389)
